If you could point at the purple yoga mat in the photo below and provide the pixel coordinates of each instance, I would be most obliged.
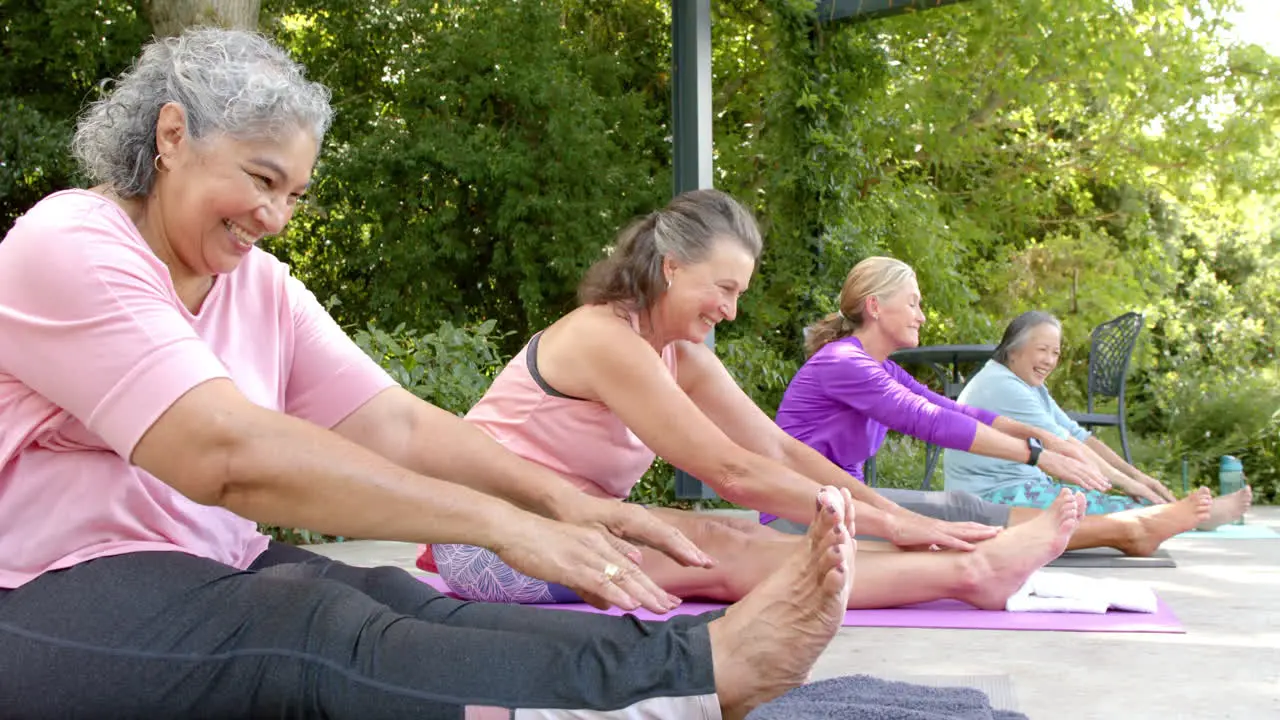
(949, 614)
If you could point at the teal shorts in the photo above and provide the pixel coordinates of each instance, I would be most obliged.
(1041, 494)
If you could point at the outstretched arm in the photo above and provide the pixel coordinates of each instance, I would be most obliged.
(1140, 479)
(713, 390)
(1049, 439)
(1137, 487)
(597, 357)
(895, 399)
(218, 448)
(422, 437)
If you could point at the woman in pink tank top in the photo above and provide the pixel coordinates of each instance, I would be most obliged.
(627, 376)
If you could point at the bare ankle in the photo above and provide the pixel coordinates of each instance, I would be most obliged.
(971, 573)
(729, 684)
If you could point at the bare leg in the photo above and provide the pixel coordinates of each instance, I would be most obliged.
(743, 525)
(1228, 508)
(1138, 532)
(985, 577)
(767, 643)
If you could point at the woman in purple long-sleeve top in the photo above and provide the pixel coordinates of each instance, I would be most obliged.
(844, 402)
(848, 395)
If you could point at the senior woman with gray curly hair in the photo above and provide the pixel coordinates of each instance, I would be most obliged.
(165, 384)
(1012, 383)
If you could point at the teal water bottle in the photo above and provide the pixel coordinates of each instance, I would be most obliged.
(1230, 478)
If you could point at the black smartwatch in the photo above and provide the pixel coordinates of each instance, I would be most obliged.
(1036, 446)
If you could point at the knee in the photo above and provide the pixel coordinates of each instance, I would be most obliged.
(461, 565)
(380, 581)
(475, 573)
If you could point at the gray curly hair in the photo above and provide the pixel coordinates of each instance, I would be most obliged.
(227, 81)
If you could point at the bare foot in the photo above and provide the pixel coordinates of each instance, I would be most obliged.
(999, 566)
(1228, 508)
(767, 642)
(1147, 527)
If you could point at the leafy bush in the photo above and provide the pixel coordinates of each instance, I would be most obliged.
(450, 368)
(657, 486)
(900, 464)
(1205, 415)
(761, 368)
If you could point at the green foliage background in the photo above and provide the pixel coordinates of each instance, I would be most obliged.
(1086, 157)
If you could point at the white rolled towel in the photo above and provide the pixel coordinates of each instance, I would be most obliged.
(1065, 592)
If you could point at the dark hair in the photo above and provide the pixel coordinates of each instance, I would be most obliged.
(687, 228)
(1015, 336)
(878, 276)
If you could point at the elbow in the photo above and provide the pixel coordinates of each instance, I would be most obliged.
(219, 468)
(735, 483)
(204, 443)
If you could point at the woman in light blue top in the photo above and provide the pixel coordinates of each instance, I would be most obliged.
(1012, 384)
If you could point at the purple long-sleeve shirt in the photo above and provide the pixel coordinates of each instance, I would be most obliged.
(843, 402)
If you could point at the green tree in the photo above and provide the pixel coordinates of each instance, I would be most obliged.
(483, 156)
(53, 54)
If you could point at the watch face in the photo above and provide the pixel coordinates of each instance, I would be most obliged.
(1035, 443)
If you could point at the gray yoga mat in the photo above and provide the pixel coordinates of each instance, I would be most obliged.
(999, 688)
(861, 697)
(1110, 558)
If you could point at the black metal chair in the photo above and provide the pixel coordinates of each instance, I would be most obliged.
(1110, 350)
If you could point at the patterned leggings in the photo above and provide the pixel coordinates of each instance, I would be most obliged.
(1042, 493)
(474, 573)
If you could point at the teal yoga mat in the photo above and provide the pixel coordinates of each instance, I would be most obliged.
(1234, 532)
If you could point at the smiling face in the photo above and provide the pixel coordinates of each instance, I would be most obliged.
(898, 315)
(703, 294)
(1035, 358)
(216, 197)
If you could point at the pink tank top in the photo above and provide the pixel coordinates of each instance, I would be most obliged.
(580, 439)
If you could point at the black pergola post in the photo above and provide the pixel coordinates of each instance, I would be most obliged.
(691, 134)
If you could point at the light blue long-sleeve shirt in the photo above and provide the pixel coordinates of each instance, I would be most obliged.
(998, 389)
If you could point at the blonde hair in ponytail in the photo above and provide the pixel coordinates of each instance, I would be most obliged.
(875, 276)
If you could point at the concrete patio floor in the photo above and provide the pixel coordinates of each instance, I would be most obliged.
(1227, 665)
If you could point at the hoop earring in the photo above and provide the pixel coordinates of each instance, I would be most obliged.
(155, 162)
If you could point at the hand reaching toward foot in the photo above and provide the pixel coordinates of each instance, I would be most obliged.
(584, 560)
(628, 523)
(1158, 487)
(1068, 470)
(1138, 490)
(914, 532)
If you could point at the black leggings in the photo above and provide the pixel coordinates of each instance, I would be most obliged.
(170, 635)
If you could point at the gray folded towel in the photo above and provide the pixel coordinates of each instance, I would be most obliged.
(862, 697)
